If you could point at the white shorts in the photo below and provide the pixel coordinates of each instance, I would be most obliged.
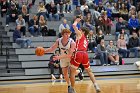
(65, 63)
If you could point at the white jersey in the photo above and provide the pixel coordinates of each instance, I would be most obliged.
(64, 50)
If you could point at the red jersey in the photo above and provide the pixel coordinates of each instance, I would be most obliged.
(82, 44)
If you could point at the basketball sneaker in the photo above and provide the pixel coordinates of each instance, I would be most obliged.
(71, 90)
(80, 74)
(97, 88)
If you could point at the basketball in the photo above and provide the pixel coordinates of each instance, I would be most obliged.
(39, 51)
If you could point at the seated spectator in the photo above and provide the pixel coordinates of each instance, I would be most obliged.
(4, 7)
(99, 36)
(124, 12)
(12, 15)
(132, 11)
(20, 41)
(77, 12)
(115, 11)
(113, 52)
(107, 24)
(20, 21)
(102, 53)
(126, 36)
(134, 44)
(60, 5)
(120, 25)
(109, 11)
(100, 7)
(43, 26)
(68, 6)
(25, 13)
(88, 25)
(83, 7)
(99, 23)
(55, 64)
(91, 42)
(52, 12)
(90, 18)
(34, 26)
(122, 46)
(42, 10)
(62, 26)
(86, 11)
(133, 24)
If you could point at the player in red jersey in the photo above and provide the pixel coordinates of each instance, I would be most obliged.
(81, 56)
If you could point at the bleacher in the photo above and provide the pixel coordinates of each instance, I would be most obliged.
(22, 63)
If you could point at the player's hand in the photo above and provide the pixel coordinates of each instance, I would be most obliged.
(56, 58)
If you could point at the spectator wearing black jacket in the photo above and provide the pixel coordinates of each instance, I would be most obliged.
(52, 11)
(34, 26)
(120, 26)
(4, 7)
(55, 64)
(134, 44)
(12, 15)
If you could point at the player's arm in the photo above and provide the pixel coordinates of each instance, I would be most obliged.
(52, 48)
(78, 32)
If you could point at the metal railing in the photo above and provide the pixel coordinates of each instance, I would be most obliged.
(7, 57)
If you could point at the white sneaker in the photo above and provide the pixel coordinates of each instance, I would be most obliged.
(97, 88)
(7, 25)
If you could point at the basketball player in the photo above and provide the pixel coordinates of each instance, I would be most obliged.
(81, 56)
(67, 47)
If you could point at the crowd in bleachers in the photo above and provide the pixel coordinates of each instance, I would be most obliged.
(99, 18)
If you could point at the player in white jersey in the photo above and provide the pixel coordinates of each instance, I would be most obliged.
(67, 46)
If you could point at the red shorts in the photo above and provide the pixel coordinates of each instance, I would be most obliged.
(80, 57)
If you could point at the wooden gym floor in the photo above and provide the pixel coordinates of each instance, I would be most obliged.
(111, 84)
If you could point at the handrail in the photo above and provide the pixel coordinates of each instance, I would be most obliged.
(7, 57)
(1, 47)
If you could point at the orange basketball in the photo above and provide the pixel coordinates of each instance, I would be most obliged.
(40, 51)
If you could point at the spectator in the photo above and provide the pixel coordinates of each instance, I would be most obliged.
(99, 24)
(68, 6)
(88, 25)
(90, 18)
(52, 11)
(107, 24)
(20, 21)
(25, 13)
(100, 7)
(102, 53)
(134, 44)
(86, 11)
(120, 25)
(109, 11)
(4, 7)
(99, 36)
(124, 12)
(121, 44)
(113, 52)
(77, 11)
(43, 26)
(12, 15)
(126, 36)
(42, 10)
(83, 7)
(133, 24)
(91, 42)
(115, 11)
(55, 64)
(62, 26)
(34, 26)
(23, 42)
(132, 11)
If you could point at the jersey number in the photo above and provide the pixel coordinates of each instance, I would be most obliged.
(85, 43)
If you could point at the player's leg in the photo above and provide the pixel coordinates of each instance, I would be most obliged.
(66, 75)
(86, 64)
